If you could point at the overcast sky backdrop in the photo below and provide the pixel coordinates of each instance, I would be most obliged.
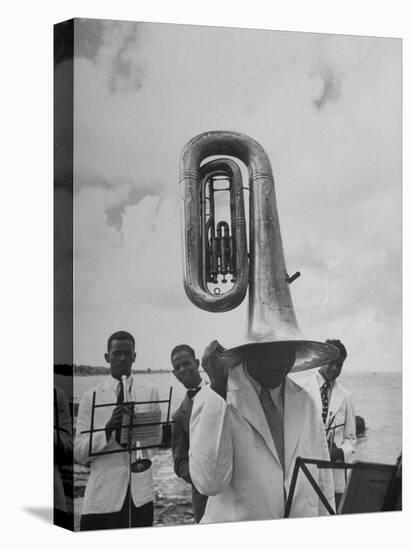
(327, 110)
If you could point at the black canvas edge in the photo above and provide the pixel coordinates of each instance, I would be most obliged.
(63, 94)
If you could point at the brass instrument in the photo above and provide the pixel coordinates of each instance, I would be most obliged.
(215, 250)
(140, 464)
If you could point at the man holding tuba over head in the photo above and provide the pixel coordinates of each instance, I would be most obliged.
(251, 423)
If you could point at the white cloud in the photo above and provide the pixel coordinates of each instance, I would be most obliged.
(327, 111)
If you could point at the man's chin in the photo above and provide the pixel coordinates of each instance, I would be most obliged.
(276, 382)
(123, 372)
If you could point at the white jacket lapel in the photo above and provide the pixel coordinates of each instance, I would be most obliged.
(314, 390)
(104, 394)
(336, 399)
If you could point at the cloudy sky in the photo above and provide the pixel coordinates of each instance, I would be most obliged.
(327, 110)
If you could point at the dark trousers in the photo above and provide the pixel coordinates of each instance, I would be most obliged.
(140, 517)
(198, 504)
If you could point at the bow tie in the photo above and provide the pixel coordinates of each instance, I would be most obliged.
(192, 393)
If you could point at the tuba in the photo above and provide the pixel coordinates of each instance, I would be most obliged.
(222, 262)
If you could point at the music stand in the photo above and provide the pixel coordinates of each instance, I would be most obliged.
(366, 491)
(128, 447)
(367, 488)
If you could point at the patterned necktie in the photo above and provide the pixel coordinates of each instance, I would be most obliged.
(193, 392)
(275, 422)
(325, 400)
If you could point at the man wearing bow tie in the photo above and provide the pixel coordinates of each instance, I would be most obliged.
(338, 414)
(186, 370)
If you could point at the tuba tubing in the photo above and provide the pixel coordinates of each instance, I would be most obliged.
(232, 298)
(271, 316)
(191, 177)
(270, 303)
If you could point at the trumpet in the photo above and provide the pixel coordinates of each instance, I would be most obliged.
(140, 464)
(220, 262)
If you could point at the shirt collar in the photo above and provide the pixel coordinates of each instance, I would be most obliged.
(202, 383)
(114, 383)
(322, 380)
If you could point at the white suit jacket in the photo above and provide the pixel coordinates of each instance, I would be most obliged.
(109, 474)
(342, 415)
(233, 459)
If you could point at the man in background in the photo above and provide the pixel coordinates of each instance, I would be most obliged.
(338, 415)
(186, 370)
(110, 501)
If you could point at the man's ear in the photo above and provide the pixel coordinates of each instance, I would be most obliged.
(134, 357)
(106, 356)
(197, 363)
(174, 373)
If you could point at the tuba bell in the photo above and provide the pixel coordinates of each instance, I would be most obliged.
(222, 263)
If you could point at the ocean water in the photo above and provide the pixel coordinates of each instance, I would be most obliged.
(377, 398)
